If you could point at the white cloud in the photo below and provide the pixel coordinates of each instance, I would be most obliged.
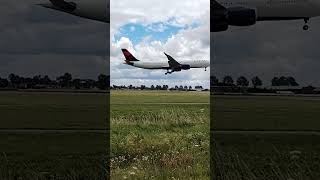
(190, 43)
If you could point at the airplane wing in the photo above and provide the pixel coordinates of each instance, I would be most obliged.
(216, 6)
(172, 62)
(61, 5)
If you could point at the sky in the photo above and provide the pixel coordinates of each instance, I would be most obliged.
(269, 49)
(36, 40)
(147, 28)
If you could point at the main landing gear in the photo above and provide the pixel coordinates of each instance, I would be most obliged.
(205, 69)
(306, 26)
(168, 72)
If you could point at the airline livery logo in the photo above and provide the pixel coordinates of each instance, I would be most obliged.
(128, 55)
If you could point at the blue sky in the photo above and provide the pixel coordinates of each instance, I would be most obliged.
(157, 31)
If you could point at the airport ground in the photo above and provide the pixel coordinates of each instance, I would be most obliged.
(159, 133)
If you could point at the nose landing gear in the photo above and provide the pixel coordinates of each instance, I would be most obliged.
(306, 26)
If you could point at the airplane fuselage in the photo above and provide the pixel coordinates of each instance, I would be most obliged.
(90, 9)
(278, 9)
(94, 9)
(165, 64)
(246, 12)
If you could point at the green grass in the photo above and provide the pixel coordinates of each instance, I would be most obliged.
(154, 140)
(265, 113)
(52, 110)
(54, 156)
(265, 156)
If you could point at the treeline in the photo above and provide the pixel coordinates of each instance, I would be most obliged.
(65, 81)
(159, 87)
(255, 81)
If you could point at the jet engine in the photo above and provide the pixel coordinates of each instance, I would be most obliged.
(235, 16)
(239, 16)
(185, 66)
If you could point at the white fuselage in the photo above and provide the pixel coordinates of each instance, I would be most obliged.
(90, 9)
(278, 9)
(93, 9)
(165, 64)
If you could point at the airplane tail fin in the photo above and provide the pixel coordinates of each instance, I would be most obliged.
(129, 57)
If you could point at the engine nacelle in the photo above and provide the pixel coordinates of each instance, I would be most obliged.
(219, 21)
(235, 16)
(185, 66)
(239, 16)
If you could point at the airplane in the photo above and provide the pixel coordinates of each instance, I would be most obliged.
(171, 66)
(247, 12)
(91, 9)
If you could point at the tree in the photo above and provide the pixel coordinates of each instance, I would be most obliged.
(292, 81)
(76, 83)
(214, 80)
(227, 80)
(152, 87)
(256, 81)
(45, 80)
(65, 80)
(242, 81)
(283, 81)
(103, 82)
(275, 81)
(165, 87)
(4, 83)
(14, 80)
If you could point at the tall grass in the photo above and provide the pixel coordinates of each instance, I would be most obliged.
(167, 116)
(287, 162)
(168, 143)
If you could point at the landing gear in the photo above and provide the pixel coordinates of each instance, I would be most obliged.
(205, 69)
(168, 72)
(306, 26)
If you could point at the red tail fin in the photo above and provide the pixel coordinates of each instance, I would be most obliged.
(128, 55)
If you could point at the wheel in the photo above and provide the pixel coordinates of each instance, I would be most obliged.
(305, 27)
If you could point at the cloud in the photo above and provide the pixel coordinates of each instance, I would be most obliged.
(36, 40)
(187, 42)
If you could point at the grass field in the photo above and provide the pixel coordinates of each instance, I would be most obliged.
(159, 135)
(238, 154)
(53, 110)
(50, 155)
